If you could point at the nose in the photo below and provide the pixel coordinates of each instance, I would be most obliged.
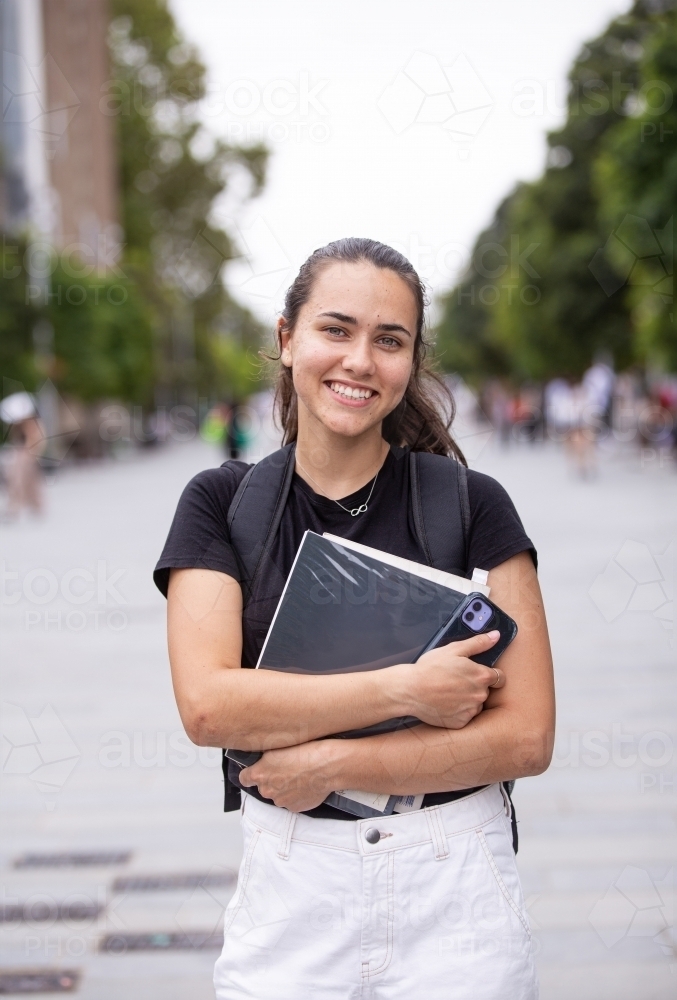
(359, 357)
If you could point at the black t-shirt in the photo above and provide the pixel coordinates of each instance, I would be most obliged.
(199, 537)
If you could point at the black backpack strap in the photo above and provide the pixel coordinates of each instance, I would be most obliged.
(508, 787)
(253, 520)
(441, 509)
(256, 511)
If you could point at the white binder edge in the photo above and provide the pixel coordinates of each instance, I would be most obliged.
(458, 583)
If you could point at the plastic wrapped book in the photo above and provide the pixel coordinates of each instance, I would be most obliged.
(348, 607)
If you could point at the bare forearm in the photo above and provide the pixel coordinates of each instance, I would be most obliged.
(430, 759)
(265, 709)
(511, 737)
(222, 704)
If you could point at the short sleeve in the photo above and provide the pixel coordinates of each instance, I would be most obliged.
(496, 531)
(198, 537)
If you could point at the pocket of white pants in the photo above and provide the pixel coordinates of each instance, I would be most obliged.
(497, 849)
(251, 838)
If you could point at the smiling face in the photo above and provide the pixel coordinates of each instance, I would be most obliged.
(351, 350)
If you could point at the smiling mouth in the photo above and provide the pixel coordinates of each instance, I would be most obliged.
(350, 392)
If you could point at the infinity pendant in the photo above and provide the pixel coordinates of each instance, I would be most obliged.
(358, 510)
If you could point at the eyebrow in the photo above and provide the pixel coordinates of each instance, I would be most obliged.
(386, 327)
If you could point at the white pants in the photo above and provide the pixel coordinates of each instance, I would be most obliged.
(433, 909)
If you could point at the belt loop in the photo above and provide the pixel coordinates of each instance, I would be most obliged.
(506, 800)
(286, 835)
(437, 834)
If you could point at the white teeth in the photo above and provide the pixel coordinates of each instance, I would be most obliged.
(347, 390)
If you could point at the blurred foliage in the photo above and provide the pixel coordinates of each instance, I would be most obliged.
(18, 316)
(636, 180)
(580, 261)
(96, 343)
(102, 339)
(159, 327)
(171, 172)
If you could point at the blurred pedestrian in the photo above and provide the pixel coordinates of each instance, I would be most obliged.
(628, 403)
(496, 404)
(581, 439)
(524, 414)
(237, 435)
(598, 384)
(232, 439)
(27, 443)
(557, 403)
(530, 413)
(667, 399)
(215, 426)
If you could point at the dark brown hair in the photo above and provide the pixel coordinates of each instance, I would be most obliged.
(422, 419)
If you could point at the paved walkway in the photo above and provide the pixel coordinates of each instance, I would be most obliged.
(598, 844)
(94, 758)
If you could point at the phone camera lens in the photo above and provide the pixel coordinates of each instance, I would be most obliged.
(477, 606)
(469, 616)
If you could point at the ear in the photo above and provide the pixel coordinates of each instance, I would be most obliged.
(284, 340)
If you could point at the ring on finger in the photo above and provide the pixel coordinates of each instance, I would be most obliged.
(498, 678)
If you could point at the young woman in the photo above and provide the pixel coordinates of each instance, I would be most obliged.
(426, 903)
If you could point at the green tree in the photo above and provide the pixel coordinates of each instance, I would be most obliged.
(541, 297)
(98, 335)
(18, 316)
(171, 172)
(103, 339)
(636, 182)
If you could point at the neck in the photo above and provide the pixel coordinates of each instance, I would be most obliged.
(337, 465)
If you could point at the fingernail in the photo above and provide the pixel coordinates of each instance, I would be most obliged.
(494, 634)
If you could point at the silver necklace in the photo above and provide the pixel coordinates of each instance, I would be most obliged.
(355, 510)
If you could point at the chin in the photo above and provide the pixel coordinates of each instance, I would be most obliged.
(347, 426)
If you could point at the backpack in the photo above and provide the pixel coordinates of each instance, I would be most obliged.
(441, 514)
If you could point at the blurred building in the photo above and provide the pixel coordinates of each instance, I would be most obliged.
(58, 163)
(25, 199)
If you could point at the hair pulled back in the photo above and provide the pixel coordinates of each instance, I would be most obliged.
(422, 419)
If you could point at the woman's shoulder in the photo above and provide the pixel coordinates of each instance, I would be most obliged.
(198, 536)
(484, 490)
(496, 529)
(216, 485)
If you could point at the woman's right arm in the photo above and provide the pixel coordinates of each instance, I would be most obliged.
(222, 705)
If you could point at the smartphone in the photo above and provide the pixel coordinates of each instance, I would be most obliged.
(476, 614)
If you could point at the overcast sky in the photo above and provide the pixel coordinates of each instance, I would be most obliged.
(405, 122)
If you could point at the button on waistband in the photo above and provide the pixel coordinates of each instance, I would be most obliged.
(372, 836)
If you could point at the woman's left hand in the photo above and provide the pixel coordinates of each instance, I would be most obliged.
(297, 778)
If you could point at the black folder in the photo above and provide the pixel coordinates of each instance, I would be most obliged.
(348, 607)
